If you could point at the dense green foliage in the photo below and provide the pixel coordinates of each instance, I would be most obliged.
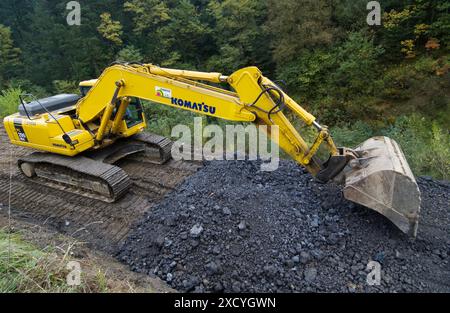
(425, 144)
(352, 76)
(9, 100)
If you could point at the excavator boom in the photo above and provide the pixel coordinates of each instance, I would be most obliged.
(375, 174)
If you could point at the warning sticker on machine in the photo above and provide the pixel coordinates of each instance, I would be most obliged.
(20, 132)
(163, 92)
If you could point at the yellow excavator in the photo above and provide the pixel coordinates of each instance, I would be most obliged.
(81, 138)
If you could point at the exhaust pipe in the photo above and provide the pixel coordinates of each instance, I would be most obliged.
(381, 179)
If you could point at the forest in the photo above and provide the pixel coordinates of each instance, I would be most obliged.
(391, 79)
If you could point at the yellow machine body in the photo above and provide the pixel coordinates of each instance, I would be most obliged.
(43, 133)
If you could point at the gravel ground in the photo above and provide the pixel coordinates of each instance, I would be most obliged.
(232, 228)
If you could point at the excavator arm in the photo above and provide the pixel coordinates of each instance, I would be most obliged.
(255, 99)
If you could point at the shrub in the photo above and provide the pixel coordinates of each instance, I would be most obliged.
(65, 86)
(9, 101)
(426, 145)
(161, 119)
(24, 84)
(129, 54)
(351, 136)
(357, 65)
(308, 75)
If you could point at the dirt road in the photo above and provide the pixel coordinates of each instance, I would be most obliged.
(101, 226)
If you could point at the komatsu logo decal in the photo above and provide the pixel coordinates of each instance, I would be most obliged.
(201, 107)
(163, 92)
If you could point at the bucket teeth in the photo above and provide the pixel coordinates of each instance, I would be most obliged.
(382, 180)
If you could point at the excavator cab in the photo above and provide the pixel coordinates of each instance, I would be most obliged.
(134, 114)
(85, 86)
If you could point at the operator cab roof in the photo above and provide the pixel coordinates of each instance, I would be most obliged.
(86, 83)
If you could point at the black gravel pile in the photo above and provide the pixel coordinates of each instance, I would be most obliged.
(232, 228)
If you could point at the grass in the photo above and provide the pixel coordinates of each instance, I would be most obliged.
(9, 101)
(26, 268)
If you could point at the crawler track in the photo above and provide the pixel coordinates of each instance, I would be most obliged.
(79, 175)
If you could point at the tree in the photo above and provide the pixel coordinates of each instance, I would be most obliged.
(129, 54)
(297, 25)
(410, 29)
(184, 37)
(147, 14)
(9, 54)
(110, 30)
(65, 86)
(357, 65)
(170, 32)
(53, 50)
(349, 15)
(239, 35)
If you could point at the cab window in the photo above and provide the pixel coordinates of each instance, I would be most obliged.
(133, 114)
(84, 90)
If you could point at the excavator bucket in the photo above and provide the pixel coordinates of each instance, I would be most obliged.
(381, 179)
